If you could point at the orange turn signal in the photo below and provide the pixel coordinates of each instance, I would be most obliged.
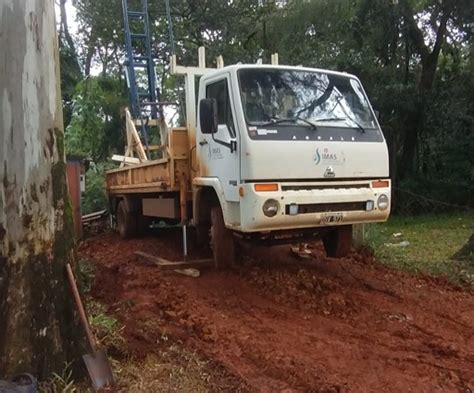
(241, 191)
(266, 187)
(380, 184)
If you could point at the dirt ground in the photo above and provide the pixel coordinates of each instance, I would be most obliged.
(279, 323)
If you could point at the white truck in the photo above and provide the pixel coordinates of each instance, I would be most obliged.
(274, 154)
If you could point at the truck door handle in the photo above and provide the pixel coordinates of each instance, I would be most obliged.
(203, 142)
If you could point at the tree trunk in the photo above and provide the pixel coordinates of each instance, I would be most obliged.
(38, 329)
(408, 164)
(64, 25)
(466, 253)
(89, 55)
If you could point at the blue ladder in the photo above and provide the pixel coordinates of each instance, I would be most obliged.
(138, 48)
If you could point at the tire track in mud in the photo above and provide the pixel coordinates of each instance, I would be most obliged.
(278, 323)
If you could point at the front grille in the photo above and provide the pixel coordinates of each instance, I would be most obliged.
(301, 187)
(328, 207)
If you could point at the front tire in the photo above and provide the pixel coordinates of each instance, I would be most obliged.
(338, 242)
(202, 232)
(222, 240)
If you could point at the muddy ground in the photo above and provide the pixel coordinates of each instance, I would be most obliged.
(279, 323)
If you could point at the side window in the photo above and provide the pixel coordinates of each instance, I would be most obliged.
(218, 91)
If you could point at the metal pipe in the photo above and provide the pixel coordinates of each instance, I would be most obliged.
(185, 241)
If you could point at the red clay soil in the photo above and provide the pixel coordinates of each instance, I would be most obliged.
(325, 325)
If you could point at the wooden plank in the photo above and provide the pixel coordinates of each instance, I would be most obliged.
(95, 214)
(125, 160)
(179, 145)
(148, 163)
(149, 122)
(144, 190)
(156, 147)
(171, 265)
(134, 136)
(163, 184)
(188, 272)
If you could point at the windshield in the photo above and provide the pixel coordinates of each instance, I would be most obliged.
(326, 100)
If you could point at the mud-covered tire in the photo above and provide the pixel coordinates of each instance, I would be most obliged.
(202, 235)
(222, 240)
(338, 242)
(126, 221)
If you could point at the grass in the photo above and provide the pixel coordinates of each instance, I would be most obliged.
(424, 244)
(60, 383)
(107, 329)
(173, 369)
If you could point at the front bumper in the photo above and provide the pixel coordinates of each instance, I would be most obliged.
(314, 203)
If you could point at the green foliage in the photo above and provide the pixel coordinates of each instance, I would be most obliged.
(95, 129)
(84, 135)
(95, 197)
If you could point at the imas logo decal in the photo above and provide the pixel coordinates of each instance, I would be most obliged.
(328, 156)
(317, 157)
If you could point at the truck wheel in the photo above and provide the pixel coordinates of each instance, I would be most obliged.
(338, 242)
(222, 240)
(126, 221)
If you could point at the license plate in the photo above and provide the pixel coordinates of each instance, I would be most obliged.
(331, 218)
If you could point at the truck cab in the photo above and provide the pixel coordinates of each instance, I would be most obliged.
(291, 152)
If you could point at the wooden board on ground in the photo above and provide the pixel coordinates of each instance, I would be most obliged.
(171, 265)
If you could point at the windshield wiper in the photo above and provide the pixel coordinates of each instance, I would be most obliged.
(331, 119)
(348, 117)
(277, 120)
(361, 129)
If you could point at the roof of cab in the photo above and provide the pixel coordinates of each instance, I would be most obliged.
(235, 67)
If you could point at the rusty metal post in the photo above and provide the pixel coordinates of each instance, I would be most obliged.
(182, 198)
(184, 211)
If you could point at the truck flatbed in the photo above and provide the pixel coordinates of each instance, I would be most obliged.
(155, 176)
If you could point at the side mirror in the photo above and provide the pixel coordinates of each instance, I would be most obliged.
(208, 115)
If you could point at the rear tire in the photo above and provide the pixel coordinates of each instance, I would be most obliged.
(222, 240)
(126, 221)
(338, 242)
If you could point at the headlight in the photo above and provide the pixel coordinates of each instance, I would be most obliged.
(382, 202)
(270, 207)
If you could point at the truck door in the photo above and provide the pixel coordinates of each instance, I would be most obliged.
(216, 159)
